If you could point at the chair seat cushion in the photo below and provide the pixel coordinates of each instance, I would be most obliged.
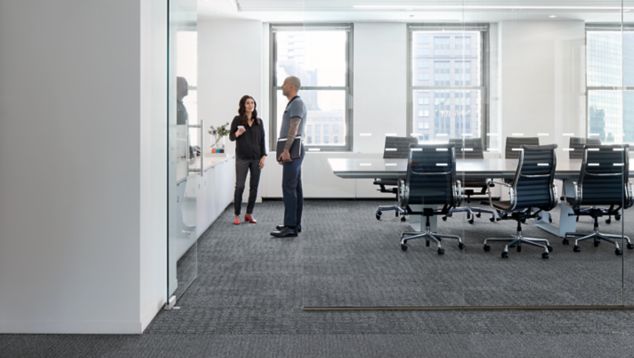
(502, 205)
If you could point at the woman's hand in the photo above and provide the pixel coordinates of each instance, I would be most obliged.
(262, 160)
(240, 131)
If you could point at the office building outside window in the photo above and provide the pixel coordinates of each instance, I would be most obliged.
(447, 82)
(610, 83)
(320, 55)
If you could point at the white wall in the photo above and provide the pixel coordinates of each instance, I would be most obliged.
(542, 79)
(153, 147)
(380, 83)
(73, 160)
(229, 66)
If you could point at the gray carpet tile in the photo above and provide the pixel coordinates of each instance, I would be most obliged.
(250, 292)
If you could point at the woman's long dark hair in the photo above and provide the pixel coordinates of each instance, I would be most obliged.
(242, 112)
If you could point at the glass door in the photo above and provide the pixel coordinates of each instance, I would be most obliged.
(184, 142)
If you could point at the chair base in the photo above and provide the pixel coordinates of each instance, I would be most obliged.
(398, 211)
(597, 237)
(516, 241)
(429, 235)
(473, 212)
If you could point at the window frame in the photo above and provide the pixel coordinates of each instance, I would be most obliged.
(273, 87)
(598, 27)
(485, 64)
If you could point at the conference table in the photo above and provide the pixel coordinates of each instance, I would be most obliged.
(567, 171)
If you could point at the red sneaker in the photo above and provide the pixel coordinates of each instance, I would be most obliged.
(236, 220)
(249, 218)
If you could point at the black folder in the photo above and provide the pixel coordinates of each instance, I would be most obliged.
(296, 147)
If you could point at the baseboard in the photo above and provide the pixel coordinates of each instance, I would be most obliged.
(70, 327)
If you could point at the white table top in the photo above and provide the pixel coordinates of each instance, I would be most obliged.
(397, 168)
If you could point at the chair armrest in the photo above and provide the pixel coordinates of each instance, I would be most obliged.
(491, 182)
(511, 191)
(458, 192)
(402, 194)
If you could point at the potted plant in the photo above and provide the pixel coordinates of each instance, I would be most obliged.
(218, 134)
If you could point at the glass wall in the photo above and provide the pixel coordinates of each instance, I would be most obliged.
(492, 80)
(184, 143)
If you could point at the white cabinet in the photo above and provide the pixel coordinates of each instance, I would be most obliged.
(215, 192)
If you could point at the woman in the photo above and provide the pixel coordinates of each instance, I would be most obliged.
(248, 132)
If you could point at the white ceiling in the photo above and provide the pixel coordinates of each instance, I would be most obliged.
(416, 10)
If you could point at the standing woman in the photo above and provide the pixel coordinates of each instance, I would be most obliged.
(248, 132)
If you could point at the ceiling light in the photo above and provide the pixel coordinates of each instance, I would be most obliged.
(483, 7)
(552, 16)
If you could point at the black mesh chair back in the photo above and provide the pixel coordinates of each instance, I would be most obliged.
(468, 148)
(431, 175)
(604, 176)
(514, 145)
(533, 182)
(577, 145)
(398, 147)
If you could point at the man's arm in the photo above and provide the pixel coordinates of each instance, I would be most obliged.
(292, 132)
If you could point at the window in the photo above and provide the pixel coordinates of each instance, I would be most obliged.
(320, 57)
(455, 94)
(610, 85)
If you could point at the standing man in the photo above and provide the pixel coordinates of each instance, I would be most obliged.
(293, 122)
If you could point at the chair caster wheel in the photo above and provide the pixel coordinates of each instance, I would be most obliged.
(608, 221)
(577, 219)
(486, 248)
(427, 243)
(471, 221)
(596, 243)
(441, 251)
(550, 248)
(618, 252)
(403, 247)
(576, 248)
(403, 218)
(617, 217)
(505, 255)
(478, 215)
(460, 245)
(518, 248)
(550, 219)
(630, 246)
(378, 216)
(444, 218)
(492, 219)
(545, 255)
(565, 242)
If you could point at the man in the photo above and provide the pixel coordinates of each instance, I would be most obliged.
(293, 122)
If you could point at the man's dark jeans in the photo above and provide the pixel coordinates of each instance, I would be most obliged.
(292, 192)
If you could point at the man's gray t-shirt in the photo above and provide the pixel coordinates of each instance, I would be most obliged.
(295, 108)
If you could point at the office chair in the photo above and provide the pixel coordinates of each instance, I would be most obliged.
(577, 145)
(395, 148)
(471, 148)
(514, 144)
(430, 182)
(531, 192)
(603, 189)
